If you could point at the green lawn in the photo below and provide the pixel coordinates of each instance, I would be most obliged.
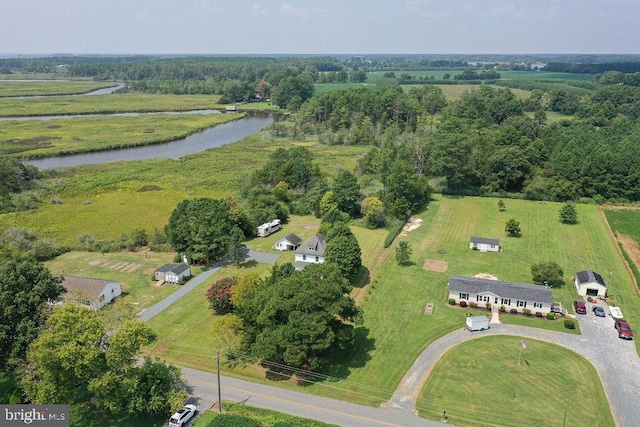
(396, 331)
(480, 383)
(133, 269)
(104, 104)
(42, 138)
(50, 88)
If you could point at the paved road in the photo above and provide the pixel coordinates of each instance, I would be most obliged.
(615, 360)
(248, 255)
(204, 385)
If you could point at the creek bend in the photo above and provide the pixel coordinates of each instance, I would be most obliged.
(213, 137)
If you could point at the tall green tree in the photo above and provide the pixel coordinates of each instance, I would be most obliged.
(403, 253)
(26, 288)
(300, 320)
(75, 361)
(344, 251)
(200, 228)
(347, 192)
(568, 214)
(512, 228)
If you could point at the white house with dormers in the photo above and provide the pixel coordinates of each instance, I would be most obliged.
(311, 252)
(519, 296)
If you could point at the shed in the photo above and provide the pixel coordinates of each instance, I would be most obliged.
(91, 292)
(590, 283)
(484, 244)
(173, 273)
(290, 242)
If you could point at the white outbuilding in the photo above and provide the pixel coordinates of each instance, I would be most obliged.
(591, 284)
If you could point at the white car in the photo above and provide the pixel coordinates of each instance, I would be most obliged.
(615, 312)
(182, 417)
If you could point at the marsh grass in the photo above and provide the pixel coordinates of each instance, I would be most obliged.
(41, 138)
(105, 104)
(18, 88)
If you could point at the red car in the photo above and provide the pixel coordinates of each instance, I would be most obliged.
(579, 307)
(624, 330)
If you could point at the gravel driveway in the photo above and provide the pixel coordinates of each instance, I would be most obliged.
(615, 360)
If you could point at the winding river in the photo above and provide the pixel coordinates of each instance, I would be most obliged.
(213, 137)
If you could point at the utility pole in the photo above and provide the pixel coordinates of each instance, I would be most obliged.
(219, 392)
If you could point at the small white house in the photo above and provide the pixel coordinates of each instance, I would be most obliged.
(91, 292)
(311, 252)
(518, 296)
(483, 244)
(590, 283)
(290, 242)
(172, 273)
(269, 228)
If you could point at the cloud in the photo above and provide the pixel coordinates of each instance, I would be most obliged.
(288, 10)
(426, 9)
(258, 9)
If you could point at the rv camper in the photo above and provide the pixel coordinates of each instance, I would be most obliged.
(269, 228)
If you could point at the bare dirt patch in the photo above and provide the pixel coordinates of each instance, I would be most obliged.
(437, 265)
(413, 223)
(98, 262)
(631, 248)
(486, 276)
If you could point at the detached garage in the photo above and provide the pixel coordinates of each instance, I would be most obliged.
(590, 283)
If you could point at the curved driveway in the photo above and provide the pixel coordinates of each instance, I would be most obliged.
(615, 360)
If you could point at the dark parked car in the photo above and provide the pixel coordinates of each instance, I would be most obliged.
(579, 307)
(599, 311)
(624, 330)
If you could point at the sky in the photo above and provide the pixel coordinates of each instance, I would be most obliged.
(319, 26)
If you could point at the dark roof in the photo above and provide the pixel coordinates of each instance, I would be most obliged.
(485, 241)
(589, 276)
(315, 245)
(292, 238)
(87, 285)
(173, 268)
(521, 291)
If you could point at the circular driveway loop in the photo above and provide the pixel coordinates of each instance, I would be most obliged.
(615, 360)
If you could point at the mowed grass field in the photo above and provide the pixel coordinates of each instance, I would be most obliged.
(396, 330)
(17, 88)
(480, 383)
(133, 269)
(104, 104)
(42, 138)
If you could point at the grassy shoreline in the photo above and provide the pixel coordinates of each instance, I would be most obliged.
(50, 88)
(106, 104)
(59, 137)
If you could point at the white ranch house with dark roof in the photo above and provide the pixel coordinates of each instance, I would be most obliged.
(172, 273)
(91, 292)
(590, 283)
(519, 296)
(484, 244)
(290, 242)
(311, 252)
